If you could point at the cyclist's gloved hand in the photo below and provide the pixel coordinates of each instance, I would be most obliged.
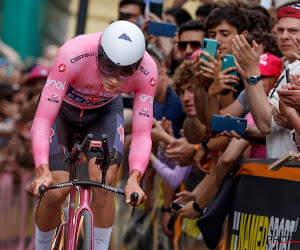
(44, 177)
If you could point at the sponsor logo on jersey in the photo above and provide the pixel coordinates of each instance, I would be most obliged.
(145, 98)
(144, 112)
(121, 133)
(98, 98)
(152, 82)
(62, 68)
(55, 84)
(51, 134)
(53, 99)
(94, 92)
(145, 71)
(77, 58)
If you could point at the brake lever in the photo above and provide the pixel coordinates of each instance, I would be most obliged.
(42, 190)
(134, 197)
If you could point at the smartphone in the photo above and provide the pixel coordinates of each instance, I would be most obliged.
(221, 123)
(176, 206)
(210, 46)
(156, 7)
(228, 61)
(162, 29)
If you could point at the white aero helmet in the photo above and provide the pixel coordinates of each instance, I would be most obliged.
(121, 49)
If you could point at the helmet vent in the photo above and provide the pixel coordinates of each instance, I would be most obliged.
(125, 37)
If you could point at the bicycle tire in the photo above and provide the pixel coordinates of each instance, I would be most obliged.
(85, 241)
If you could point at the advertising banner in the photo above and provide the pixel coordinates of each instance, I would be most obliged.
(265, 209)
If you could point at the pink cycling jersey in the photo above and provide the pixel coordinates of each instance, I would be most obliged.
(74, 80)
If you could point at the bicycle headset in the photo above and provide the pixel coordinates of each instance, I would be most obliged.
(121, 49)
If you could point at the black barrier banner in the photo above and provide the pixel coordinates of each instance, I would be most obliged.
(265, 209)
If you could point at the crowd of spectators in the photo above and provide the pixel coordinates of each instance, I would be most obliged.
(194, 164)
(189, 161)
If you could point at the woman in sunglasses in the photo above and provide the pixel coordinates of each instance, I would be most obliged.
(82, 95)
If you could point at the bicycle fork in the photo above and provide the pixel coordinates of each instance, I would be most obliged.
(73, 221)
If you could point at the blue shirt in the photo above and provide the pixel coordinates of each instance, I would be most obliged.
(172, 110)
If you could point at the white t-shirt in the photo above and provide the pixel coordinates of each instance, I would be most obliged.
(279, 141)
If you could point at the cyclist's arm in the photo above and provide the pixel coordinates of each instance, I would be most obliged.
(55, 88)
(141, 143)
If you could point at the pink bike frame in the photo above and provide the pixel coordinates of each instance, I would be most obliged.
(74, 218)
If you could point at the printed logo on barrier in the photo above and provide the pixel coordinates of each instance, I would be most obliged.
(55, 84)
(62, 68)
(51, 134)
(152, 82)
(251, 231)
(145, 72)
(121, 133)
(145, 98)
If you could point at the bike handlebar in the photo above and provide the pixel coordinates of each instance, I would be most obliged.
(86, 183)
(42, 189)
(79, 148)
(104, 143)
(86, 143)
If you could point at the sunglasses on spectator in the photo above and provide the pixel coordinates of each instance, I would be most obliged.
(123, 15)
(194, 45)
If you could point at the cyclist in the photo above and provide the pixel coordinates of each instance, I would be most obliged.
(82, 94)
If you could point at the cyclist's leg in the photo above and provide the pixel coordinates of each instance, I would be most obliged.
(111, 123)
(48, 214)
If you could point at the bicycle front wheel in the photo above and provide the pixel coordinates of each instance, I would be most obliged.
(85, 238)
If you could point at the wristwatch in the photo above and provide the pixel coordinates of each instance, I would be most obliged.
(204, 142)
(197, 208)
(165, 210)
(252, 80)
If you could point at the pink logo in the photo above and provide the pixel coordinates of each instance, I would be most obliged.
(152, 82)
(62, 68)
(121, 132)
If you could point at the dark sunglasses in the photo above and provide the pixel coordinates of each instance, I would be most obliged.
(194, 44)
(123, 15)
(108, 68)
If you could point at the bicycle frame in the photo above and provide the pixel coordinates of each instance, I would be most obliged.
(73, 220)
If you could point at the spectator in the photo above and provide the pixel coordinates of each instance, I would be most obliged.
(258, 20)
(270, 68)
(222, 25)
(132, 11)
(190, 37)
(181, 150)
(49, 55)
(166, 102)
(202, 12)
(278, 136)
(266, 41)
(176, 15)
(35, 82)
